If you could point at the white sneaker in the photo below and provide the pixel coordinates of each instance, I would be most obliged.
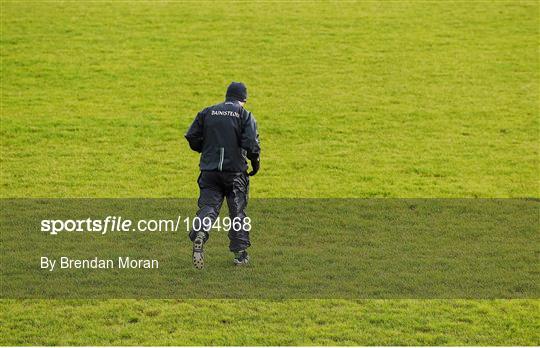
(198, 252)
(241, 258)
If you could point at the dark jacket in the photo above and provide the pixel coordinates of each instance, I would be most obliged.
(225, 134)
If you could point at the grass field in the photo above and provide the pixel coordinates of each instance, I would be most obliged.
(293, 322)
(304, 249)
(354, 99)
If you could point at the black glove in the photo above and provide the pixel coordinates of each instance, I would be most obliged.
(255, 165)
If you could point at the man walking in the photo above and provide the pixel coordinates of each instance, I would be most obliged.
(226, 136)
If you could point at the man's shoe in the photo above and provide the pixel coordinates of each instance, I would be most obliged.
(241, 258)
(198, 253)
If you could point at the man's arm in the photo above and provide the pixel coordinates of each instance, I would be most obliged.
(250, 142)
(194, 134)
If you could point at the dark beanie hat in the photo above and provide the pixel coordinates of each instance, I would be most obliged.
(237, 91)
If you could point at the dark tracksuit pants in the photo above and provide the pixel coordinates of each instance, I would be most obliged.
(214, 187)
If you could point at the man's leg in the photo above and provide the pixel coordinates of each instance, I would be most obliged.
(210, 200)
(237, 199)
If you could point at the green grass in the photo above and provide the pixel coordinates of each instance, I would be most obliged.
(369, 99)
(303, 249)
(353, 100)
(294, 322)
